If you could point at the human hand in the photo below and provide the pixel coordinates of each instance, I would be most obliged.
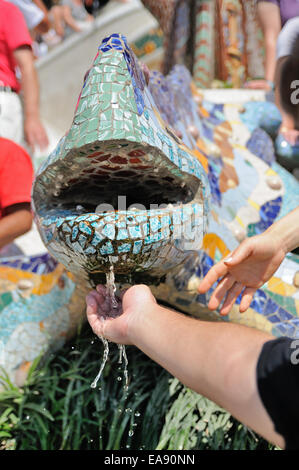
(290, 135)
(259, 85)
(246, 269)
(35, 133)
(115, 324)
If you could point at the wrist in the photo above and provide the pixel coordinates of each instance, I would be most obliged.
(31, 116)
(281, 236)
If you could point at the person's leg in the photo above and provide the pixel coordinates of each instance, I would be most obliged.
(56, 13)
(69, 20)
(269, 18)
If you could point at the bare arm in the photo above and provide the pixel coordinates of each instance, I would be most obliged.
(35, 133)
(217, 360)
(269, 17)
(17, 220)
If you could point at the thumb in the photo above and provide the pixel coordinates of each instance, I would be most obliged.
(239, 255)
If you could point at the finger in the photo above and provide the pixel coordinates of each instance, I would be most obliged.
(43, 141)
(221, 290)
(106, 306)
(101, 290)
(91, 303)
(94, 319)
(94, 299)
(240, 254)
(246, 299)
(30, 140)
(231, 297)
(215, 273)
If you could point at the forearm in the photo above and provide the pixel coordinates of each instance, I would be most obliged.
(287, 230)
(217, 360)
(270, 57)
(30, 88)
(14, 225)
(269, 18)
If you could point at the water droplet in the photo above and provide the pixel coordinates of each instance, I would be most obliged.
(137, 413)
(119, 378)
(104, 360)
(131, 433)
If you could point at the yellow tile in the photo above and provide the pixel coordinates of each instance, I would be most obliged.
(278, 286)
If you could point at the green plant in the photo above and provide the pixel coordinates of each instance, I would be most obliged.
(57, 408)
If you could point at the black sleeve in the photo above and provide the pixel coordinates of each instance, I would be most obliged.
(278, 386)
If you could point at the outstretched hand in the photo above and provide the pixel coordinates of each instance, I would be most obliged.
(244, 271)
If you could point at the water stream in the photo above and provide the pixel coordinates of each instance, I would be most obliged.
(111, 288)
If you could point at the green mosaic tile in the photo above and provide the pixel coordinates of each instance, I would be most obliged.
(5, 299)
(285, 302)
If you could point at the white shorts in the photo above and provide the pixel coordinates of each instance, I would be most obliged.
(32, 14)
(11, 117)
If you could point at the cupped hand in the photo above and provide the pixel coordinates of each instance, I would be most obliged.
(244, 271)
(115, 321)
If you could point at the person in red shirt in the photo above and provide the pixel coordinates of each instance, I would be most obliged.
(15, 50)
(16, 177)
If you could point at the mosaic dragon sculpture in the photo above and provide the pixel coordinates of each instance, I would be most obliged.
(197, 181)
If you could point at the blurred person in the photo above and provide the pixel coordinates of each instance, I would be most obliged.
(78, 11)
(287, 80)
(280, 23)
(248, 372)
(35, 15)
(62, 19)
(272, 15)
(16, 176)
(93, 6)
(15, 50)
(37, 21)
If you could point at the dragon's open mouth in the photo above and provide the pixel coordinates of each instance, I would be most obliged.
(126, 206)
(117, 180)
